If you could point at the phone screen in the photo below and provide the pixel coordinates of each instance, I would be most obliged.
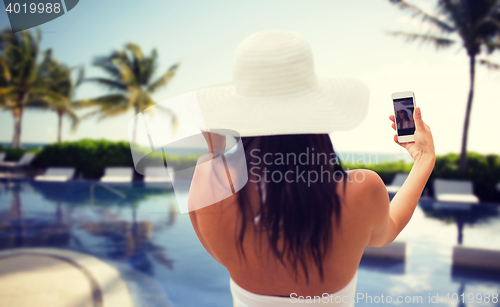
(403, 108)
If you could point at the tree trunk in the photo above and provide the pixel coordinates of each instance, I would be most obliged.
(460, 230)
(18, 120)
(136, 120)
(17, 128)
(59, 127)
(463, 152)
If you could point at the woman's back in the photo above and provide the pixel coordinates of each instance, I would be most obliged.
(218, 228)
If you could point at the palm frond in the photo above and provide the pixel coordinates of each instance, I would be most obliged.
(137, 61)
(439, 42)
(127, 74)
(114, 111)
(163, 80)
(38, 36)
(5, 71)
(118, 65)
(489, 64)
(150, 66)
(121, 56)
(39, 103)
(8, 90)
(109, 100)
(105, 62)
(492, 44)
(31, 42)
(11, 107)
(47, 63)
(84, 103)
(101, 104)
(135, 50)
(426, 17)
(75, 120)
(108, 107)
(81, 74)
(7, 38)
(109, 83)
(135, 99)
(467, 14)
(26, 40)
(90, 114)
(49, 95)
(9, 52)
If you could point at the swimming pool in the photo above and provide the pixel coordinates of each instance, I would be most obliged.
(138, 230)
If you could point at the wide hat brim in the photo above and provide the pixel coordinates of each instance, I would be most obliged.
(336, 104)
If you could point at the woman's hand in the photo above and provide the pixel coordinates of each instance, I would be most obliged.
(423, 146)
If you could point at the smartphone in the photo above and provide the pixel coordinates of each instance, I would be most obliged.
(404, 105)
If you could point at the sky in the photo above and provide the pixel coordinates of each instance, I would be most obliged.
(348, 38)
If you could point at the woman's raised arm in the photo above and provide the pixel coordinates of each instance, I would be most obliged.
(393, 217)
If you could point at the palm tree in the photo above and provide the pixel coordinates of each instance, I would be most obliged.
(19, 75)
(477, 23)
(56, 78)
(130, 80)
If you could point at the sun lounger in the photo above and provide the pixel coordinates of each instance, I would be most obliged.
(397, 183)
(457, 191)
(454, 206)
(161, 175)
(25, 160)
(117, 174)
(476, 257)
(13, 166)
(57, 174)
(396, 250)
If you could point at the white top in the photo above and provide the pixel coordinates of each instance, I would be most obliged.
(343, 298)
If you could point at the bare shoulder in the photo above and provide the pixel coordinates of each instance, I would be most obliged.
(364, 180)
(366, 190)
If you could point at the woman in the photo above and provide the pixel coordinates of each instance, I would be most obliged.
(299, 226)
(404, 121)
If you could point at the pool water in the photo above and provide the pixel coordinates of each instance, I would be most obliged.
(138, 230)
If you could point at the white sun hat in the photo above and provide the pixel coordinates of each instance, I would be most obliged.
(275, 90)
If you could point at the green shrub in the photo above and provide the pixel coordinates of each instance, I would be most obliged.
(13, 154)
(482, 170)
(90, 157)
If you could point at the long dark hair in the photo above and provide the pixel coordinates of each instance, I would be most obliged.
(296, 209)
(405, 115)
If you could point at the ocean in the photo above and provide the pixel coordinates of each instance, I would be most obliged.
(345, 157)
